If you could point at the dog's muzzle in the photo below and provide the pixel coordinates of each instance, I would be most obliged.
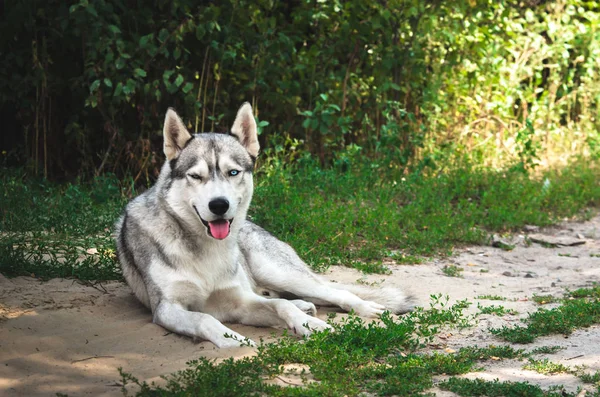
(219, 228)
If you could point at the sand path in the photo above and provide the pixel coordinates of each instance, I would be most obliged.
(68, 337)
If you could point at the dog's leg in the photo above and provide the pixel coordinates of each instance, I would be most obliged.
(234, 304)
(305, 285)
(307, 307)
(274, 265)
(324, 294)
(176, 318)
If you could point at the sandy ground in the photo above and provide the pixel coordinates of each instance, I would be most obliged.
(63, 336)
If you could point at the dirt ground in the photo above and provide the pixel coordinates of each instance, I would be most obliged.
(63, 336)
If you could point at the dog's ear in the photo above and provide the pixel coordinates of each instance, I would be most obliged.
(175, 135)
(244, 128)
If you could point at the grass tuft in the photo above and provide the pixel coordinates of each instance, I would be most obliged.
(572, 314)
(480, 387)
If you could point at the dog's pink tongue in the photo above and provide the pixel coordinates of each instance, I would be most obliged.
(219, 229)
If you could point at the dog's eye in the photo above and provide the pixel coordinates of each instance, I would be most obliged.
(195, 176)
(233, 172)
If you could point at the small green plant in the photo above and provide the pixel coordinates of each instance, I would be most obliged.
(363, 280)
(480, 387)
(546, 367)
(527, 148)
(452, 271)
(593, 292)
(593, 378)
(544, 299)
(492, 297)
(572, 314)
(497, 310)
(546, 350)
(373, 267)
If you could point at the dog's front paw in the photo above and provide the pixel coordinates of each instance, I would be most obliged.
(368, 309)
(233, 340)
(309, 324)
(307, 307)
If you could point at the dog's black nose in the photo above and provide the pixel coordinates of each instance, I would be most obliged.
(218, 206)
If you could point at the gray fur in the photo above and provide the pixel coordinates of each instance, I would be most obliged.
(194, 273)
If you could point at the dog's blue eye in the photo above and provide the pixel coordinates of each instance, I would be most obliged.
(195, 176)
(233, 172)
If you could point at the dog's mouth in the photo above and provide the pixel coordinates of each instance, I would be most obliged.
(218, 229)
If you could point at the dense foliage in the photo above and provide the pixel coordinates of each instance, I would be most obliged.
(84, 85)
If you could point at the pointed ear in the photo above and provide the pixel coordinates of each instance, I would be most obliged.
(244, 128)
(175, 135)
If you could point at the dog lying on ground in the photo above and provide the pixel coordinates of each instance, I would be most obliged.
(191, 256)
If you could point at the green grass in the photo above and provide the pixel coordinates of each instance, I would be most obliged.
(492, 297)
(580, 311)
(360, 358)
(590, 378)
(546, 367)
(58, 230)
(544, 299)
(452, 270)
(355, 217)
(356, 358)
(480, 387)
(497, 310)
(546, 350)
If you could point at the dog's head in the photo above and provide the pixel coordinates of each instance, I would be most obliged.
(209, 176)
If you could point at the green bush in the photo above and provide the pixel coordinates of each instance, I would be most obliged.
(85, 84)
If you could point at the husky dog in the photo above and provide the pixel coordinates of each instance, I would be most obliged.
(190, 255)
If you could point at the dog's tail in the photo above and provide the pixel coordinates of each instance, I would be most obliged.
(394, 299)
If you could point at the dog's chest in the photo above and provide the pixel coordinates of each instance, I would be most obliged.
(208, 264)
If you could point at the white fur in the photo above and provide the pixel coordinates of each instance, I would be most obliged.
(193, 282)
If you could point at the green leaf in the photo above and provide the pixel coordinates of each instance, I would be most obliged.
(167, 74)
(187, 87)
(118, 90)
(130, 87)
(163, 34)
(120, 63)
(94, 86)
(144, 40)
(200, 31)
(179, 80)
(114, 29)
(137, 72)
(91, 10)
(107, 82)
